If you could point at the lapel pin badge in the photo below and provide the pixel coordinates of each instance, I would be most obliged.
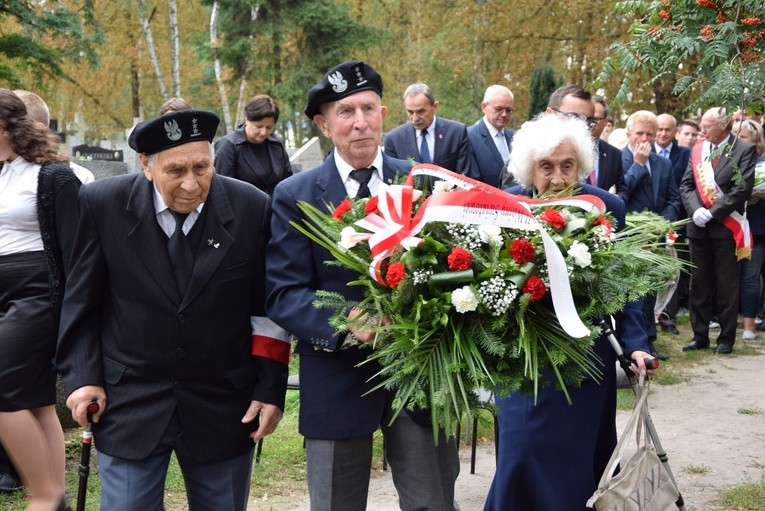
(211, 243)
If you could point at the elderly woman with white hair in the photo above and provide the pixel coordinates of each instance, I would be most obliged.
(552, 454)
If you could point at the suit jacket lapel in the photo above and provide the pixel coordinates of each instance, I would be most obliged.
(655, 177)
(491, 146)
(216, 239)
(147, 239)
(411, 142)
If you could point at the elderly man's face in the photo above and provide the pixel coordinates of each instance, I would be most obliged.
(713, 127)
(182, 174)
(420, 111)
(665, 134)
(354, 124)
(499, 112)
(556, 172)
(641, 132)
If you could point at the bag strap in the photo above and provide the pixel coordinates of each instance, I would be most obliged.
(636, 422)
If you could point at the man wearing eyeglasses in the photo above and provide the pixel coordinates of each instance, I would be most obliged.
(714, 189)
(490, 140)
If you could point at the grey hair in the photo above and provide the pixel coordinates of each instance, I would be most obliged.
(540, 137)
(643, 116)
(419, 88)
(493, 90)
(153, 157)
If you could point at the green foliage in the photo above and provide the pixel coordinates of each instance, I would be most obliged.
(543, 84)
(37, 38)
(711, 50)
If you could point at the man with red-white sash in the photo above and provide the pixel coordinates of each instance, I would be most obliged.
(714, 190)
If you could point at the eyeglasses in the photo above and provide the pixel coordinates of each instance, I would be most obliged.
(591, 122)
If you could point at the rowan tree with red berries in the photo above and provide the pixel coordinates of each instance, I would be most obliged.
(711, 49)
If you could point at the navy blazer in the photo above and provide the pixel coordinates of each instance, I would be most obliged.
(655, 191)
(333, 404)
(610, 173)
(125, 326)
(679, 157)
(450, 151)
(487, 165)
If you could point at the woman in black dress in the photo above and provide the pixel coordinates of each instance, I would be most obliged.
(252, 152)
(38, 210)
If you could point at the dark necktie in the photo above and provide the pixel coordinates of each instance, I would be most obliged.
(363, 176)
(180, 253)
(424, 152)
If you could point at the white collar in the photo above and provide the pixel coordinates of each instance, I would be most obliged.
(344, 168)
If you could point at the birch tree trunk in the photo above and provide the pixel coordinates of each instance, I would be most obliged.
(152, 50)
(174, 48)
(218, 68)
(247, 68)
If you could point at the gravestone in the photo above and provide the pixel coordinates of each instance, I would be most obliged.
(308, 156)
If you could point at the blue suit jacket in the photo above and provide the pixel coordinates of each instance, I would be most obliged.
(451, 150)
(679, 157)
(610, 173)
(657, 191)
(332, 387)
(487, 164)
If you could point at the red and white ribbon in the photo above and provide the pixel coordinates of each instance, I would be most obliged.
(475, 203)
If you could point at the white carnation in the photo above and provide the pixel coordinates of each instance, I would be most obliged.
(580, 253)
(347, 238)
(441, 186)
(490, 234)
(464, 300)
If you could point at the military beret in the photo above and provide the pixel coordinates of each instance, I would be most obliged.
(342, 81)
(173, 129)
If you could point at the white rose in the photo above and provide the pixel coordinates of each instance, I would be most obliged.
(441, 186)
(490, 234)
(348, 240)
(464, 299)
(580, 253)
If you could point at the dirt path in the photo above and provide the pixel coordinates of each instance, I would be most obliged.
(710, 443)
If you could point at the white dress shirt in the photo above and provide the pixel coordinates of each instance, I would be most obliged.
(19, 228)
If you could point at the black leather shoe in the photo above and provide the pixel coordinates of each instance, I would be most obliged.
(724, 348)
(695, 345)
(660, 356)
(670, 329)
(9, 483)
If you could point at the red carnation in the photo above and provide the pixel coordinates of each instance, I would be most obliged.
(342, 209)
(535, 288)
(371, 205)
(460, 259)
(554, 218)
(522, 251)
(601, 220)
(396, 273)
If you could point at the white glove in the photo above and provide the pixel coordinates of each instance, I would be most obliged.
(701, 216)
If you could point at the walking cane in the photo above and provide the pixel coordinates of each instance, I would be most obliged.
(84, 469)
(650, 364)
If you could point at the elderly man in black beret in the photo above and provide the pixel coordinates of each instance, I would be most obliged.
(163, 324)
(338, 412)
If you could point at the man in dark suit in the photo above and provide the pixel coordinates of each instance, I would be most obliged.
(719, 234)
(163, 322)
(678, 156)
(651, 186)
(490, 140)
(338, 413)
(426, 138)
(607, 173)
